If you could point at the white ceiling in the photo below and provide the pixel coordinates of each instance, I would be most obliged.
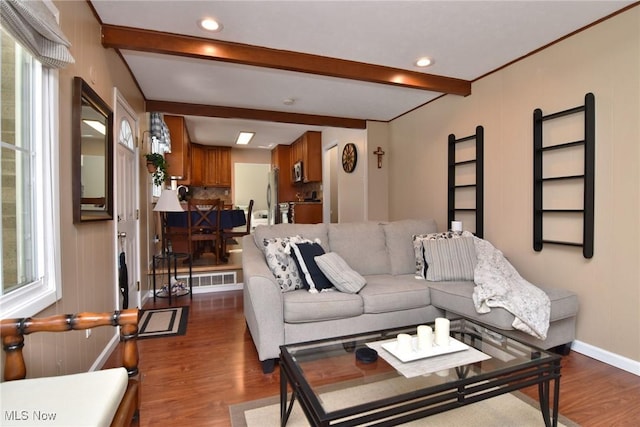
(466, 39)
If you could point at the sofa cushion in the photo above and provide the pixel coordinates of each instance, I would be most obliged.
(362, 245)
(84, 399)
(457, 297)
(399, 236)
(308, 231)
(301, 306)
(343, 277)
(304, 255)
(450, 259)
(386, 293)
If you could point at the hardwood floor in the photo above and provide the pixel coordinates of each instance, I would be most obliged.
(191, 380)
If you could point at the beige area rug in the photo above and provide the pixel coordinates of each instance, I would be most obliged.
(508, 410)
(163, 322)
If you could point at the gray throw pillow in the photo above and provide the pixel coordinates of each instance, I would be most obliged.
(343, 277)
(450, 259)
(421, 264)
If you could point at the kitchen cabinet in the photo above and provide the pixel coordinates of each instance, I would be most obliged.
(179, 160)
(197, 164)
(308, 150)
(306, 213)
(210, 166)
(280, 159)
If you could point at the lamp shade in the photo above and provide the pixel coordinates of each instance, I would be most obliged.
(168, 202)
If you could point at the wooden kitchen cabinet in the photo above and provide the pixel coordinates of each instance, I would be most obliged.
(179, 160)
(308, 150)
(306, 213)
(197, 164)
(210, 166)
(280, 159)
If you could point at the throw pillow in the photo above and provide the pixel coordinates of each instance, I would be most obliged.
(450, 259)
(277, 254)
(418, 249)
(312, 277)
(343, 277)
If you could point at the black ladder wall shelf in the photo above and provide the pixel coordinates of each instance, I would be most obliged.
(479, 180)
(587, 178)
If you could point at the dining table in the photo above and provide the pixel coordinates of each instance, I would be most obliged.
(177, 226)
(229, 218)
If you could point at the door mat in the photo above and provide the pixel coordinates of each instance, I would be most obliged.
(163, 322)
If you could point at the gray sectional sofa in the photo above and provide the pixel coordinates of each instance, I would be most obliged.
(393, 296)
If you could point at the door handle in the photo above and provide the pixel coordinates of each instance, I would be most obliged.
(122, 235)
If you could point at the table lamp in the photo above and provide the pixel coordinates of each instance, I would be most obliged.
(168, 202)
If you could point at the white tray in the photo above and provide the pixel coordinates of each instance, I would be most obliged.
(415, 354)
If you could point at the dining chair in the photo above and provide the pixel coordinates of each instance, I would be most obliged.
(230, 234)
(203, 224)
(109, 394)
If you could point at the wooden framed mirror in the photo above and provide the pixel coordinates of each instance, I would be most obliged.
(92, 155)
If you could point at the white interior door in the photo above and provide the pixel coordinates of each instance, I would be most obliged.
(127, 205)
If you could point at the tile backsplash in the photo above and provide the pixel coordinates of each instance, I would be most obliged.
(305, 190)
(211, 193)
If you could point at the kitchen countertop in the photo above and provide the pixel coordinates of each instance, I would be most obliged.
(308, 202)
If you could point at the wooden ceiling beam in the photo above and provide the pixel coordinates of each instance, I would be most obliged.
(186, 109)
(196, 47)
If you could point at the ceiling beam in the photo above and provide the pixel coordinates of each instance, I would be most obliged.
(181, 108)
(196, 47)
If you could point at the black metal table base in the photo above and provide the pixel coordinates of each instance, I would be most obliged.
(168, 257)
(464, 390)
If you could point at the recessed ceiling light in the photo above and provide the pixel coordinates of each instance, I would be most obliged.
(211, 24)
(424, 62)
(99, 126)
(244, 138)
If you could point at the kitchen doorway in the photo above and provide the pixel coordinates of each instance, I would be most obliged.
(250, 181)
(330, 185)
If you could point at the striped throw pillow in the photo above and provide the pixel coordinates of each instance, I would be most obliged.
(450, 259)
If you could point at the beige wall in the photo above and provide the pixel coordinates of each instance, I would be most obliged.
(352, 195)
(247, 156)
(88, 260)
(259, 189)
(378, 178)
(604, 60)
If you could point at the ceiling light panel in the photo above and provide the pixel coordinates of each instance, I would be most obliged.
(244, 138)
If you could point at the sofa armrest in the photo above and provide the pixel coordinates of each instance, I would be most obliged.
(263, 302)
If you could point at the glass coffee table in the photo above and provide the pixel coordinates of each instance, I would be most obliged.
(334, 387)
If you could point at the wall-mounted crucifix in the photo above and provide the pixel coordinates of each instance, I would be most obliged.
(379, 153)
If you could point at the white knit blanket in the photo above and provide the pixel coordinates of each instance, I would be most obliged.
(498, 284)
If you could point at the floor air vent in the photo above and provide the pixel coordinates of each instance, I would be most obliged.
(210, 279)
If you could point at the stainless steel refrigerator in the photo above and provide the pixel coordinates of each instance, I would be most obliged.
(273, 216)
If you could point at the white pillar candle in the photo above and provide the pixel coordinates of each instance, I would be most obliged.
(404, 343)
(456, 226)
(425, 337)
(442, 332)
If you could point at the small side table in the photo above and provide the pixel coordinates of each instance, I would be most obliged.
(165, 260)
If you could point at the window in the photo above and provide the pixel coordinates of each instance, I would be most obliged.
(157, 146)
(29, 236)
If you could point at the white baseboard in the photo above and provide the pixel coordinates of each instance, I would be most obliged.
(607, 357)
(106, 352)
(203, 290)
(217, 288)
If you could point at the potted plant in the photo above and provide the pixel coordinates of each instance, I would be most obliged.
(157, 166)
